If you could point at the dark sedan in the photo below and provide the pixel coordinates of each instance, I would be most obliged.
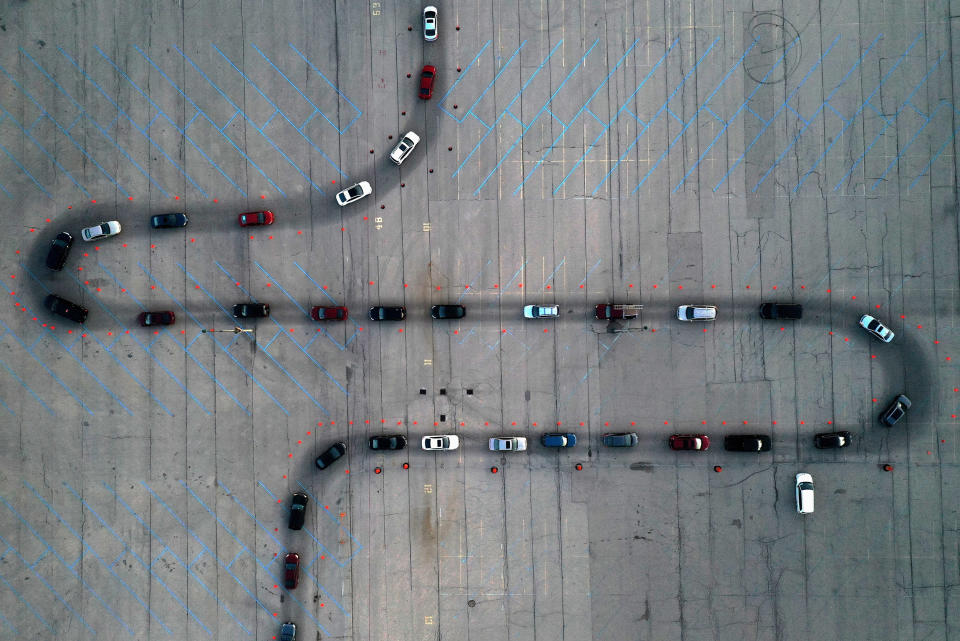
(331, 454)
(448, 311)
(746, 443)
(149, 319)
(168, 221)
(627, 439)
(298, 510)
(59, 250)
(830, 440)
(388, 313)
(895, 411)
(63, 307)
(388, 442)
(251, 310)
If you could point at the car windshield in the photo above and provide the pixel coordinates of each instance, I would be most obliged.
(334, 453)
(355, 191)
(874, 325)
(105, 228)
(428, 74)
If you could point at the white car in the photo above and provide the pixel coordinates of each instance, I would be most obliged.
(103, 230)
(404, 147)
(355, 193)
(804, 493)
(541, 311)
(430, 23)
(697, 313)
(440, 442)
(876, 329)
(508, 444)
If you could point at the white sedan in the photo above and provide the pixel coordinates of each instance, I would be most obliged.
(404, 147)
(507, 444)
(103, 230)
(430, 23)
(440, 442)
(876, 329)
(354, 193)
(541, 311)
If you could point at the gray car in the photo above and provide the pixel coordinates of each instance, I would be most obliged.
(625, 439)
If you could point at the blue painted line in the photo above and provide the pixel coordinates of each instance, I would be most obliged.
(838, 114)
(119, 557)
(622, 108)
(280, 546)
(333, 86)
(265, 489)
(30, 607)
(158, 557)
(75, 561)
(797, 114)
(933, 159)
(270, 342)
(460, 78)
(68, 128)
(575, 116)
(89, 371)
(7, 407)
(853, 117)
(553, 273)
(492, 82)
(506, 110)
(190, 122)
(103, 130)
(553, 115)
(22, 168)
(914, 107)
(166, 549)
(73, 572)
(38, 559)
(699, 109)
(152, 120)
(880, 115)
(142, 131)
(756, 115)
(589, 271)
(206, 547)
(48, 370)
(676, 117)
(230, 120)
(183, 130)
(821, 107)
(259, 129)
(779, 109)
(904, 148)
(471, 283)
(246, 549)
(50, 156)
(239, 554)
(480, 120)
(92, 551)
(662, 108)
(8, 623)
(516, 275)
(712, 113)
(316, 108)
(64, 132)
(275, 282)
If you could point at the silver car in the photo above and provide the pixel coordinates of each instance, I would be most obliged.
(103, 230)
(508, 444)
(404, 147)
(696, 313)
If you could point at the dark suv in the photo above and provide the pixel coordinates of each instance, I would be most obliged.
(298, 510)
(895, 411)
(59, 250)
(781, 311)
(63, 307)
(251, 310)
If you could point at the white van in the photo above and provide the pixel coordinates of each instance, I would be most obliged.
(804, 493)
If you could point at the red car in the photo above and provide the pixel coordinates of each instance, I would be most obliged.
(427, 76)
(328, 313)
(291, 571)
(148, 319)
(689, 442)
(256, 218)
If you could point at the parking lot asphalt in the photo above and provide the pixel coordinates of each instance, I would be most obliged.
(572, 153)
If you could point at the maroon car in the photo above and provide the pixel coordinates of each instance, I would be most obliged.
(689, 442)
(328, 313)
(256, 218)
(291, 570)
(149, 319)
(427, 76)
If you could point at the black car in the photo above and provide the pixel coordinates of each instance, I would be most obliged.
(895, 410)
(298, 510)
(746, 443)
(63, 307)
(388, 442)
(628, 439)
(165, 221)
(59, 250)
(781, 311)
(251, 310)
(830, 440)
(149, 319)
(332, 453)
(388, 313)
(448, 311)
